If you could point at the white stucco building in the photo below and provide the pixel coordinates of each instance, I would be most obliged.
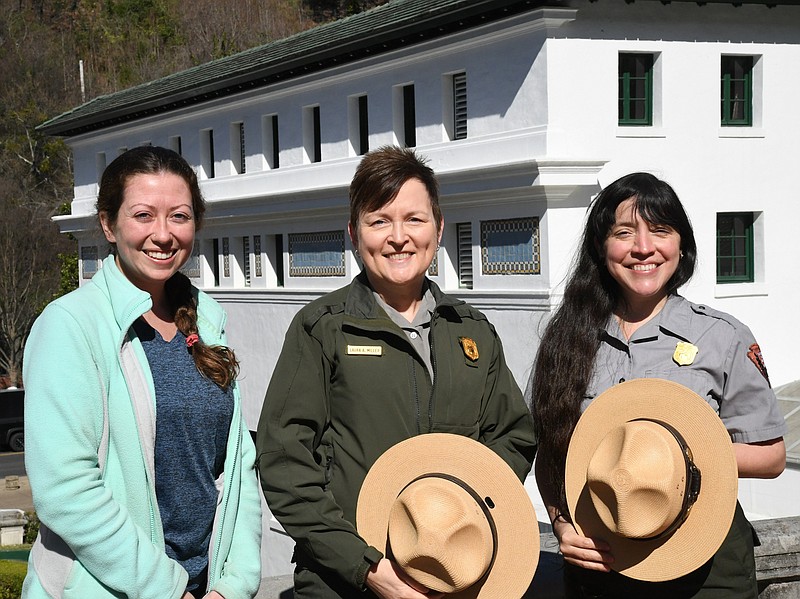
(525, 110)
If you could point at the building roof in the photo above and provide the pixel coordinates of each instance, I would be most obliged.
(390, 26)
(393, 25)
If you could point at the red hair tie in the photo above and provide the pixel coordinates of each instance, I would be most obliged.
(192, 339)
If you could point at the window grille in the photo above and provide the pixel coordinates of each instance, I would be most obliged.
(317, 254)
(257, 255)
(510, 247)
(464, 231)
(226, 257)
(246, 259)
(460, 106)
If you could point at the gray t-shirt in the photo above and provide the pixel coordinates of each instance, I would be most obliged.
(193, 417)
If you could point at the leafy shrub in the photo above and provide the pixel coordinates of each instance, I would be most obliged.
(11, 576)
(31, 528)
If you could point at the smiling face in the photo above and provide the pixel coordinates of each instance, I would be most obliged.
(154, 229)
(641, 257)
(397, 242)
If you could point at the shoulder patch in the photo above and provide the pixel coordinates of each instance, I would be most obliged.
(754, 353)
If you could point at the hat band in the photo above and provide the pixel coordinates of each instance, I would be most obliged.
(478, 499)
(693, 480)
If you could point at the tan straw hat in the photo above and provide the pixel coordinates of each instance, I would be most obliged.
(651, 470)
(453, 515)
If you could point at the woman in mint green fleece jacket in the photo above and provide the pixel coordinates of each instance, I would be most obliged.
(91, 407)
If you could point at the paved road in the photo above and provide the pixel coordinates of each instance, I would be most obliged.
(12, 463)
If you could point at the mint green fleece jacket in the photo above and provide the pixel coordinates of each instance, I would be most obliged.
(90, 433)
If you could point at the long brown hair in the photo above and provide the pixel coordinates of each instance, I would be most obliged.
(216, 362)
(566, 357)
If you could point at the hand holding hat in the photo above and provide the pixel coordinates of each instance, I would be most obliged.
(453, 515)
(651, 470)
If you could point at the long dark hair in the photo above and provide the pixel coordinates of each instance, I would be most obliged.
(216, 362)
(566, 356)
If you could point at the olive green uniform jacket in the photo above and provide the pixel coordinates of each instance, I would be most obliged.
(347, 386)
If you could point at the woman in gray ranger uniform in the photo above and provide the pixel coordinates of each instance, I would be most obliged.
(383, 359)
(622, 318)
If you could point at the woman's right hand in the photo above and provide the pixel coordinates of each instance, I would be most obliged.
(592, 554)
(388, 581)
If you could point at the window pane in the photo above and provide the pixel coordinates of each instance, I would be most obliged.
(316, 254)
(510, 246)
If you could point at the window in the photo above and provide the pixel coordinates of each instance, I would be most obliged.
(246, 259)
(359, 125)
(464, 232)
(226, 257)
(460, 106)
(238, 154)
(316, 254)
(271, 147)
(215, 261)
(510, 247)
(735, 256)
(635, 90)
(737, 91)
(404, 115)
(433, 269)
(176, 144)
(312, 134)
(192, 267)
(100, 164)
(257, 256)
(207, 153)
(90, 263)
(279, 278)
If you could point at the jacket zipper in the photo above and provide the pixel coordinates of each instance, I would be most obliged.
(433, 375)
(226, 496)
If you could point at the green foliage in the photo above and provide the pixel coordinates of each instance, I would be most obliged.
(12, 574)
(31, 528)
(69, 273)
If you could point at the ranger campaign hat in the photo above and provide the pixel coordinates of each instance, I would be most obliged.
(453, 515)
(651, 470)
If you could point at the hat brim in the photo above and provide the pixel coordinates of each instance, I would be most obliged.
(709, 520)
(517, 552)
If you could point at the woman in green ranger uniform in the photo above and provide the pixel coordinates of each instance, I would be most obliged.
(383, 359)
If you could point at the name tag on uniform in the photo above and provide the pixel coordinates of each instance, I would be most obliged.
(364, 350)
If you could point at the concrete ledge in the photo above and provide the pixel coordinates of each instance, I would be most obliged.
(777, 565)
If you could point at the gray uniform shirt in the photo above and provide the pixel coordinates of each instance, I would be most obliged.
(727, 370)
(418, 332)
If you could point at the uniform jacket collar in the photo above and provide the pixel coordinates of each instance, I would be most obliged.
(360, 302)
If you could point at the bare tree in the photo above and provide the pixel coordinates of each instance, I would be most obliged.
(29, 276)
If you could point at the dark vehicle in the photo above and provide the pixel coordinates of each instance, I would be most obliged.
(12, 431)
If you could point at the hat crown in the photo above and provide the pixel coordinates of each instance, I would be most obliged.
(637, 479)
(439, 535)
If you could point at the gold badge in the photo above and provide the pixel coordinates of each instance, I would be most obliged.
(470, 348)
(684, 353)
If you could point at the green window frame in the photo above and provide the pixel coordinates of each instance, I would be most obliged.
(735, 260)
(736, 93)
(635, 90)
